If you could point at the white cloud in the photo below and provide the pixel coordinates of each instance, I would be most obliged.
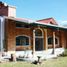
(64, 22)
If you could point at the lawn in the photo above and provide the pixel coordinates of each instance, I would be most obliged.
(59, 62)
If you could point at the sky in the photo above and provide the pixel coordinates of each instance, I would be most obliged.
(40, 9)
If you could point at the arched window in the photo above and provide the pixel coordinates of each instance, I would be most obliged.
(50, 40)
(38, 32)
(22, 41)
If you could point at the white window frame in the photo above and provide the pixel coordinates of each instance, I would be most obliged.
(25, 36)
(56, 38)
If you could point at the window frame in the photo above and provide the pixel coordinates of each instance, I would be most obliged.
(24, 36)
(52, 43)
(22, 24)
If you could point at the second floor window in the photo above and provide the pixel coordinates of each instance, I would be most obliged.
(22, 25)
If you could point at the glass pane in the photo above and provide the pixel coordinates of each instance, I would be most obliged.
(22, 40)
(38, 32)
(38, 44)
(17, 41)
(56, 41)
(50, 40)
(21, 25)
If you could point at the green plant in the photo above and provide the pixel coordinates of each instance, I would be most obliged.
(64, 53)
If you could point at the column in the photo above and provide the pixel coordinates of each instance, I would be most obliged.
(45, 39)
(33, 42)
(53, 43)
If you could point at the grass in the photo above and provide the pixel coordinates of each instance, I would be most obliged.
(59, 62)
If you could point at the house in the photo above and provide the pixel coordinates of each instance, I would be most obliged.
(37, 37)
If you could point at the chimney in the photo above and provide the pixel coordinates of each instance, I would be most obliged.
(6, 10)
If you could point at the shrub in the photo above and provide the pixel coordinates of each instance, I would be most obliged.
(64, 53)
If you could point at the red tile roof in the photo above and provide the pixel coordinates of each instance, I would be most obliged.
(48, 21)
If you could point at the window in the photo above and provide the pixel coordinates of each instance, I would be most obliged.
(22, 25)
(39, 42)
(50, 40)
(22, 41)
(38, 32)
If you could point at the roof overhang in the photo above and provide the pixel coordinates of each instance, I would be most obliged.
(34, 23)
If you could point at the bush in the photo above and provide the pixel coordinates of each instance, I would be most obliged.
(64, 53)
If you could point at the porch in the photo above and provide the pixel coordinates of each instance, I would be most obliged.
(27, 55)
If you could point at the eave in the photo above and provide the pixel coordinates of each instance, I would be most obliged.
(34, 23)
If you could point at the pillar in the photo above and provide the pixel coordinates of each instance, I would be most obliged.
(45, 39)
(53, 43)
(33, 42)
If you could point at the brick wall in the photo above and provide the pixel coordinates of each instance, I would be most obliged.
(12, 32)
(6, 10)
(10, 35)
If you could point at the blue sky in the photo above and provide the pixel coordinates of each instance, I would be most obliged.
(40, 9)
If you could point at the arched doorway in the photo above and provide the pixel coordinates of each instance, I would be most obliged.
(38, 40)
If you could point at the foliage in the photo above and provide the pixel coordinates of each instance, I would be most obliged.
(64, 53)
